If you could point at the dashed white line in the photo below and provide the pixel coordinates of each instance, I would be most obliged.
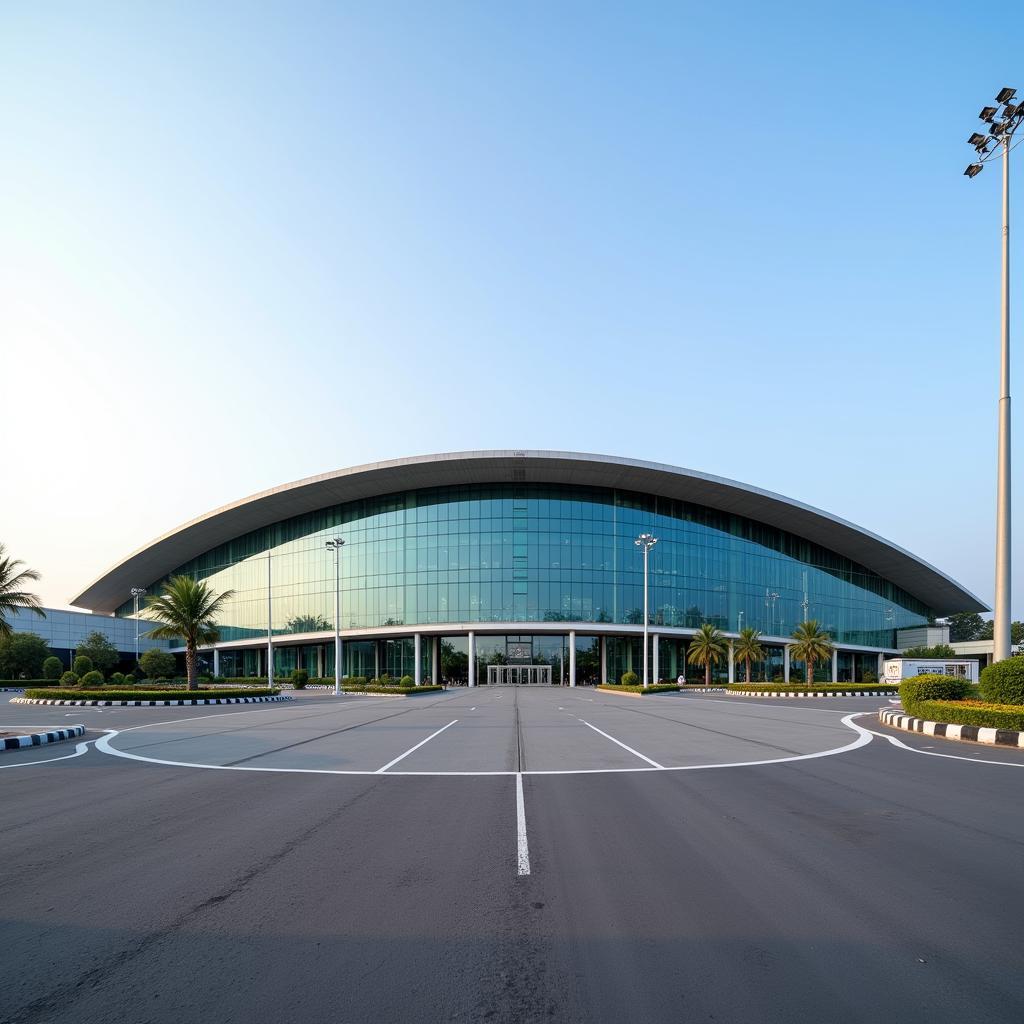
(522, 846)
(417, 747)
(643, 757)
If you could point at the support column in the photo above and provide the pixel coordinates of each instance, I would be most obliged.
(881, 666)
(435, 659)
(572, 657)
(732, 664)
(418, 674)
(376, 659)
(655, 673)
(603, 645)
(835, 665)
(785, 663)
(319, 661)
(216, 662)
(472, 659)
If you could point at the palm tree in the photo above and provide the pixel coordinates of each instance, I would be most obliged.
(706, 648)
(747, 647)
(812, 644)
(12, 596)
(187, 609)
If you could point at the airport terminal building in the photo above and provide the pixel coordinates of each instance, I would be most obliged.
(498, 567)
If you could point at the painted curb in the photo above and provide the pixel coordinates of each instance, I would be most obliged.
(37, 739)
(146, 703)
(813, 693)
(976, 733)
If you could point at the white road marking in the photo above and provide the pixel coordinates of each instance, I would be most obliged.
(80, 749)
(472, 709)
(864, 736)
(934, 753)
(522, 847)
(412, 750)
(643, 757)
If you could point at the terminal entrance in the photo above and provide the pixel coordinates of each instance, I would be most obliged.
(518, 675)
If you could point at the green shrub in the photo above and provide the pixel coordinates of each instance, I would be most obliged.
(116, 679)
(148, 694)
(868, 677)
(407, 681)
(970, 712)
(157, 664)
(69, 679)
(52, 668)
(932, 686)
(91, 680)
(81, 665)
(299, 678)
(1003, 682)
(629, 679)
(635, 688)
(816, 688)
(384, 680)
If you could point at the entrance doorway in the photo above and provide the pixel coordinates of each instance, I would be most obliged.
(518, 675)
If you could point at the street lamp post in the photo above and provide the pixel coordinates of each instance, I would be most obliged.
(335, 545)
(645, 541)
(137, 592)
(1001, 125)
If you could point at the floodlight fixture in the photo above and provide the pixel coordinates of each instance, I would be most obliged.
(1005, 95)
(972, 170)
(1010, 109)
(977, 140)
(987, 113)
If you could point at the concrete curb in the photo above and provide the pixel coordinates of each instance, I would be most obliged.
(37, 739)
(813, 693)
(146, 703)
(977, 733)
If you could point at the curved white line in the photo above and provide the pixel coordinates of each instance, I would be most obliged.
(864, 736)
(80, 749)
(896, 742)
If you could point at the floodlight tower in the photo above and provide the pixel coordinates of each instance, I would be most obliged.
(1001, 125)
(646, 541)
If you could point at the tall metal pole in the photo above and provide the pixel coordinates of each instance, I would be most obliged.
(137, 592)
(1001, 619)
(646, 552)
(270, 628)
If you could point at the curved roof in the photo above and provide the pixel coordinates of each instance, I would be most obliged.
(173, 549)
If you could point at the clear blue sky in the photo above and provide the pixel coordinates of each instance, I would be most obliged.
(246, 243)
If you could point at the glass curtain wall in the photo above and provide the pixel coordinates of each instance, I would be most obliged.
(504, 554)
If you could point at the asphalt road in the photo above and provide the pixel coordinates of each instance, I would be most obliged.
(690, 858)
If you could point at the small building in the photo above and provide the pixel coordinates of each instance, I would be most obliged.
(898, 669)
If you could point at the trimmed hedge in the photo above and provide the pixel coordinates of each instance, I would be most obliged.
(1003, 682)
(971, 712)
(403, 690)
(629, 679)
(813, 688)
(932, 686)
(15, 684)
(623, 688)
(111, 694)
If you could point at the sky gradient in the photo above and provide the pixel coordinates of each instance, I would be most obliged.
(245, 244)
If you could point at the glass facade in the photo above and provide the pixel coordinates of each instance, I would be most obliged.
(492, 554)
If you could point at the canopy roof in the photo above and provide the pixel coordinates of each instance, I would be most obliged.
(173, 549)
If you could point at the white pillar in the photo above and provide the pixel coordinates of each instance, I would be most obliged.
(655, 671)
(472, 659)
(572, 657)
(435, 659)
(376, 659)
(417, 674)
(881, 666)
(216, 662)
(785, 663)
(604, 658)
(319, 661)
(835, 665)
(732, 664)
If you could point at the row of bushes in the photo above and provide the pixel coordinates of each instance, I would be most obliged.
(996, 703)
(635, 688)
(814, 688)
(108, 693)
